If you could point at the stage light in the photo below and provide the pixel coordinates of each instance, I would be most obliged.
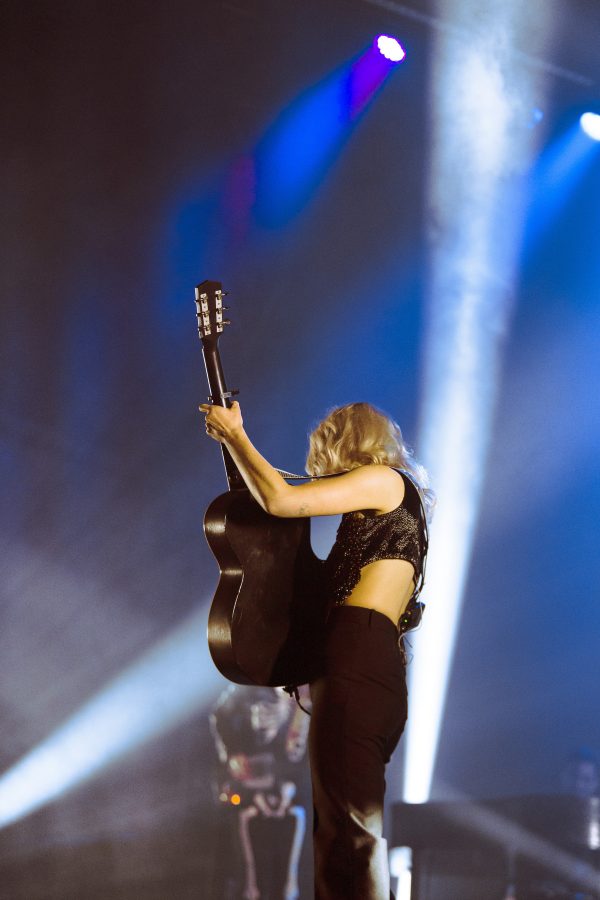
(557, 173)
(478, 222)
(400, 859)
(158, 692)
(390, 48)
(301, 145)
(590, 123)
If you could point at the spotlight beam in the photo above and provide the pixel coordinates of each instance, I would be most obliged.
(477, 208)
(158, 692)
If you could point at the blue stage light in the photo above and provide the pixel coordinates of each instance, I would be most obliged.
(590, 123)
(299, 148)
(390, 48)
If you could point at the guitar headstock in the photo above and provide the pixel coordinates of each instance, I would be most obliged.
(209, 311)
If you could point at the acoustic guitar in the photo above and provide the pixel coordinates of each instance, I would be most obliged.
(267, 612)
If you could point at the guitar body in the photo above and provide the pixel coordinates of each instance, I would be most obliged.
(268, 610)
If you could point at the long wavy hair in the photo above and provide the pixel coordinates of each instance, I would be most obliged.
(359, 434)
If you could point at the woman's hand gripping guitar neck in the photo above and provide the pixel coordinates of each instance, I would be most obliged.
(225, 425)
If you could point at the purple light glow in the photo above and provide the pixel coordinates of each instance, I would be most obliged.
(390, 48)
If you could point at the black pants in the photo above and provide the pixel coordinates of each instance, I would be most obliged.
(358, 715)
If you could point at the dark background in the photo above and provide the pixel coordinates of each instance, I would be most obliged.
(133, 135)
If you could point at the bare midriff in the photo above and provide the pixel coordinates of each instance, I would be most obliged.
(385, 585)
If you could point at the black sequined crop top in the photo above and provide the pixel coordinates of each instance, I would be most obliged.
(363, 538)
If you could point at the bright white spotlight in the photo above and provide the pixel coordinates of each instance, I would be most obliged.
(475, 151)
(590, 123)
(390, 48)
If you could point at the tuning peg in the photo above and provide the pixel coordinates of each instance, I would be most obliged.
(226, 322)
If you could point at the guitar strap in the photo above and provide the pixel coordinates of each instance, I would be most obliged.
(290, 475)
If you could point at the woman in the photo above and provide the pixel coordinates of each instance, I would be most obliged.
(373, 573)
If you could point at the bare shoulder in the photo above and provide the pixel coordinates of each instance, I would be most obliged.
(381, 484)
(391, 484)
(375, 474)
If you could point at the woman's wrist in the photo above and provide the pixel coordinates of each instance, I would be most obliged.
(236, 437)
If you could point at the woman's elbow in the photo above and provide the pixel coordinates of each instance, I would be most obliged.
(275, 508)
(280, 505)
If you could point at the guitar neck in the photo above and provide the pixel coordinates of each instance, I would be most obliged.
(209, 314)
(220, 396)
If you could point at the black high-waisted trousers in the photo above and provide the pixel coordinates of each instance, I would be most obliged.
(358, 715)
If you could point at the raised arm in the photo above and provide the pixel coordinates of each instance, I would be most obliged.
(366, 487)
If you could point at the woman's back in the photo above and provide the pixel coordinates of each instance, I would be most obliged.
(378, 555)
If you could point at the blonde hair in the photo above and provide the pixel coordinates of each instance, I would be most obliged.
(359, 434)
